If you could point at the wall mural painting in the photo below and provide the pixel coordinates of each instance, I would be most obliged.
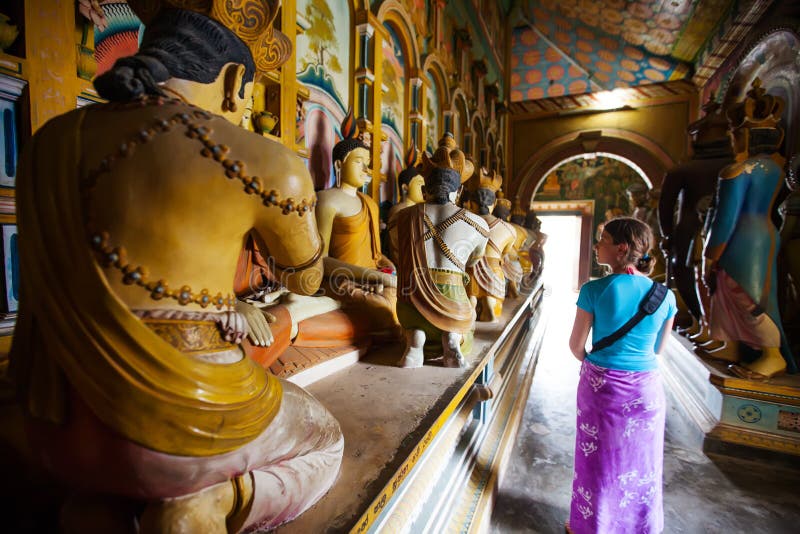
(391, 166)
(418, 11)
(601, 178)
(120, 37)
(393, 113)
(323, 58)
(322, 133)
(323, 65)
(433, 112)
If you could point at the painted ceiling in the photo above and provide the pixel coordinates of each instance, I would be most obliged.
(567, 47)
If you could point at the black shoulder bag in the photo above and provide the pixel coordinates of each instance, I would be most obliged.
(649, 304)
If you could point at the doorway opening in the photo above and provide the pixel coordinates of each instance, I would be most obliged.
(562, 253)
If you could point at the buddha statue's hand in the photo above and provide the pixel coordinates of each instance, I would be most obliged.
(258, 330)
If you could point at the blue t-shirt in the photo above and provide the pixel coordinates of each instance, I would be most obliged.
(613, 300)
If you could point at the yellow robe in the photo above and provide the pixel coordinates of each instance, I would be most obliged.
(356, 239)
(73, 331)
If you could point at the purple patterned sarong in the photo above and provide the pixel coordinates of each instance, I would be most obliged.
(619, 452)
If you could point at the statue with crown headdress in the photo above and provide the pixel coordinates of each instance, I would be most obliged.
(411, 184)
(512, 266)
(438, 242)
(356, 271)
(127, 357)
(487, 279)
(743, 243)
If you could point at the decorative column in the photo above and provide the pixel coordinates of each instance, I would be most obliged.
(51, 59)
(415, 112)
(365, 77)
(449, 125)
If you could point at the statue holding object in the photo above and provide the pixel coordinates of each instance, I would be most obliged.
(128, 362)
(743, 243)
(438, 241)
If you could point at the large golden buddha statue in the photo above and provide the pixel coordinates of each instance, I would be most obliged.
(488, 281)
(438, 241)
(356, 271)
(126, 357)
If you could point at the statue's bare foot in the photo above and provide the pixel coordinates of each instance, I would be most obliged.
(205, 511)
(413, 356)
(728, 351)
(769, 364)
(451, 345)
(702, 336)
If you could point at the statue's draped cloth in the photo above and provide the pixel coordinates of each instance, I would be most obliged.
(416, 285)
(78, 333)
(743, 231)
(354, 239)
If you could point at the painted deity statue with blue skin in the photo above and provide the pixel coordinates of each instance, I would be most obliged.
(742, 247)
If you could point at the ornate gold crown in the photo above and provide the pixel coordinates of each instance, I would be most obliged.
(517, 208)
(448, 155)
(712, 126)
(502, 201)
(251, 20)
(757, 110)
(489, 180)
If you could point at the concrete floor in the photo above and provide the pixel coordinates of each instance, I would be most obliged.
(702, 494)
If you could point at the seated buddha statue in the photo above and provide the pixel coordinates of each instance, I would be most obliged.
(487, 279)
(743, 243)
(127, 356)
(512, 267)
(355, 270)
(437, 242)
(411, 184)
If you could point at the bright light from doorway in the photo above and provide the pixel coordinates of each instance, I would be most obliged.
(561, 253)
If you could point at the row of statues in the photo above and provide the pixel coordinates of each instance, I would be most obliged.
(717, 217)
(171, 256)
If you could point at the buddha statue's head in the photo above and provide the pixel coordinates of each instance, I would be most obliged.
(502, 207)
(448, 156)
(351, 156)
(189, 55)
(532, 221)
(410, 179)
(517, 213)
(483, 186)
(754, 122)
(411, 184)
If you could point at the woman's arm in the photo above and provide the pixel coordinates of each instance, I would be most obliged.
(580, 331)
(664, 334)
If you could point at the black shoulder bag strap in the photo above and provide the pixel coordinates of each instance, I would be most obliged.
(649, 304)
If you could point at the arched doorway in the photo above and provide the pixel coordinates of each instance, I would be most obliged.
(594, 186)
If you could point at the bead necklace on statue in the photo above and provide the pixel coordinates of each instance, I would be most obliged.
(115, 256)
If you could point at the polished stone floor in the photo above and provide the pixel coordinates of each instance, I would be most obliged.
(702, 494)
